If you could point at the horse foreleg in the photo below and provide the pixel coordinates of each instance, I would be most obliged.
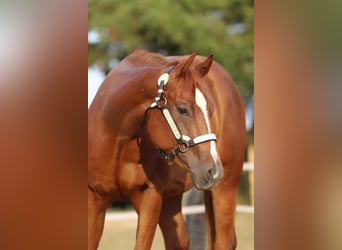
(172, 224)
(148, 205)
(96, 215)
(220, 214)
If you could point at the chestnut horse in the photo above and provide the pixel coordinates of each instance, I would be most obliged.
(156, 126)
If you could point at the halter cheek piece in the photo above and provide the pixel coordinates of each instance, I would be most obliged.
(184, 141)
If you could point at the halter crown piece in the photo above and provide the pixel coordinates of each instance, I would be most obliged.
(184, 141)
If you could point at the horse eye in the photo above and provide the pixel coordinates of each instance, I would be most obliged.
(182, 110)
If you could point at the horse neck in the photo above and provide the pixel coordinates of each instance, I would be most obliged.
(128, 103)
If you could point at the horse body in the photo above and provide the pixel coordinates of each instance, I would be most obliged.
(124, 131)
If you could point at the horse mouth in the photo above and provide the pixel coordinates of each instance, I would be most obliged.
(207, 184)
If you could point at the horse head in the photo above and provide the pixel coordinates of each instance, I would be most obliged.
(179, 121)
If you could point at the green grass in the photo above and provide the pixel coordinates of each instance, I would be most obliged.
(120, 235)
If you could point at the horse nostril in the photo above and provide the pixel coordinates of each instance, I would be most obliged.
(213, 173)
(210, 174)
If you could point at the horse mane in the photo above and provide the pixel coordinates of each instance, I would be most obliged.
(140, 56)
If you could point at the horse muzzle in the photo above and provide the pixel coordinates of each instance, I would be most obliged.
(206, 178)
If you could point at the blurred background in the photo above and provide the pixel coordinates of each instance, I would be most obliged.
(224, 28)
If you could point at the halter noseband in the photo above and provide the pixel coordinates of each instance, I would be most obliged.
(184, 141)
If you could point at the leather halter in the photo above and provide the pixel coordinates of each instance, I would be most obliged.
(184, 141)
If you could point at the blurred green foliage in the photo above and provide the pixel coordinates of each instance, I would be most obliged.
(222, 27)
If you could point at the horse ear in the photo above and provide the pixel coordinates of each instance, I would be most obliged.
(203, 67)
(183, 67)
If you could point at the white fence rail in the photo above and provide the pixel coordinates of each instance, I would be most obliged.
(193, 209)
(248, 166)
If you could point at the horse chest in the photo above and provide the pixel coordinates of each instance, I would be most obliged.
(135, 177)
(139, 169)
(179, 182)
(135, 171)
(131, 177)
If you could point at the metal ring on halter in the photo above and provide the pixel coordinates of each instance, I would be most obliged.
(183, 147)
(161, 101)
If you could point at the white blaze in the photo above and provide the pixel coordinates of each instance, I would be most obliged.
(202, 103)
